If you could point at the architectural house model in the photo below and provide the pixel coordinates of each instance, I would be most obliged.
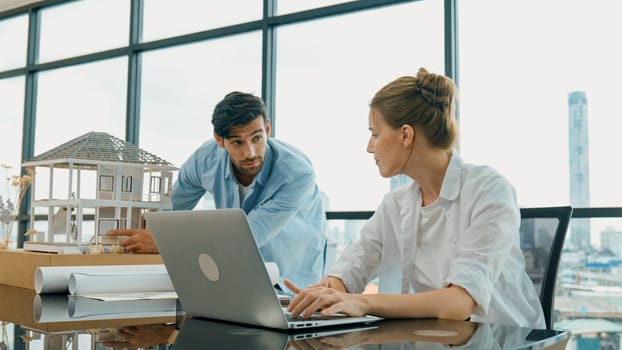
(101, 176)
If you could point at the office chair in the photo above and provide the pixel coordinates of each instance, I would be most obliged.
(542, 234)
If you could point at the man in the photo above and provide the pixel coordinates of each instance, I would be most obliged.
(273, 182)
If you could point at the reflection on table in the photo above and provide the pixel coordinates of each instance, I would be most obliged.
(21, 330)
(389, 334)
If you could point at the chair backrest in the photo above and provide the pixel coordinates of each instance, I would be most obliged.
(542, 234)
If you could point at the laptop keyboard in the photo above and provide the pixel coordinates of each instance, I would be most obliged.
(284, 299)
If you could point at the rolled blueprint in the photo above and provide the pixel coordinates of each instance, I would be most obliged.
(55, 279)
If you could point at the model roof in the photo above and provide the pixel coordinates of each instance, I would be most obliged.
(99, 147)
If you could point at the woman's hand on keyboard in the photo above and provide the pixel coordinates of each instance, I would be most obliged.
(326, 300)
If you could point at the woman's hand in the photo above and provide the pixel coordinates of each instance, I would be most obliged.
(333, 342)
(319, 297)
(331, 282)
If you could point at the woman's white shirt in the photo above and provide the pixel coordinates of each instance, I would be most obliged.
(468, 237)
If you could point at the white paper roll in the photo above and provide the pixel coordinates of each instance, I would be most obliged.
(273, 272)
(55, 279)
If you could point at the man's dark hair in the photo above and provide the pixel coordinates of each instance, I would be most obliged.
(236, 109)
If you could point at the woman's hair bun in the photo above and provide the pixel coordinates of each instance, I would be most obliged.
(437, 90)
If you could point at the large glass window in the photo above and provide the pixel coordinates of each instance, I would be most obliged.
(519, 66)
(181, 86)
(75, 100)
(165, 18)
(539, 102)
(82, 27)
(13, 42)
(326, 77)
(11, 109)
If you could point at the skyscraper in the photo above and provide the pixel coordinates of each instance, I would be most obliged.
(578, 146)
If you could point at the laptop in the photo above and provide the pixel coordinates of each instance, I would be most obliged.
(218, 272)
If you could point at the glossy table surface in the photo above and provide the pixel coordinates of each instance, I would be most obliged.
(166, 330)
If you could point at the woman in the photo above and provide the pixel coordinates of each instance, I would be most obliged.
(446, 246)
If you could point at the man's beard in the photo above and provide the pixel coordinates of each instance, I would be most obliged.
(251, 171)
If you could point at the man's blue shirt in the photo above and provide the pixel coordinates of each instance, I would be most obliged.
(284, 205)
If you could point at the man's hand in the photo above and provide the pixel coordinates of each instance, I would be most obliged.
(143, 336)
(138, 241)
